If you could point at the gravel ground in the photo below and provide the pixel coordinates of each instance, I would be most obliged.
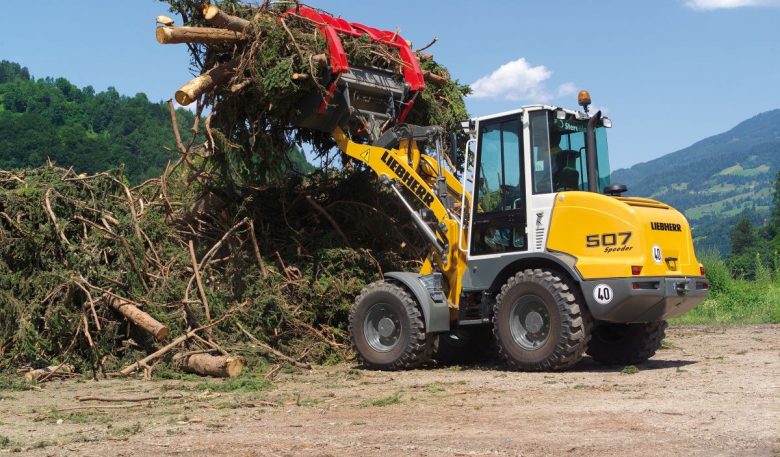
(714, 391)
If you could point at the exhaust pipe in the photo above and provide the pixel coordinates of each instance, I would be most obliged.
(590, 150)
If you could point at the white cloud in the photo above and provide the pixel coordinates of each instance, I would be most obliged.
(516, 80)
(707, 5)
(567, 89)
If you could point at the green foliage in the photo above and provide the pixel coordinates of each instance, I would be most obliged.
(743, 236)
(736, 301)
(51, 118)
(773, 227)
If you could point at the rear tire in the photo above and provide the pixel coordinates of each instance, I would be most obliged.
(538, 324)
(387, 329)
(625, 344)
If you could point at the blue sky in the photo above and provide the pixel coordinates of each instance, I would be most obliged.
(668, 72)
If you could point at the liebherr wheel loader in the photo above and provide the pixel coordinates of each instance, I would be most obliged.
(532, 242)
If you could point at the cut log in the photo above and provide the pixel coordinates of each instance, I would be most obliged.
(219, 18)
(205, 82)
(54, 371)
(203, 35)
(209, 365)
(150, 325)
(238, 87)
(321, 60)
(434, 78)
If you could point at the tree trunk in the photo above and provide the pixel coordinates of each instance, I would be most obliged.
(158, 330)
(205, 82)
(209, 365)
(203, 35)
(219, 18)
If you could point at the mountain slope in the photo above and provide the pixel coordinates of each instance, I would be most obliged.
(714, 180)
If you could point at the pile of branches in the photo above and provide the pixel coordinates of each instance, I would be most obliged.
(254, 66)
(231, 256)
(99, 277)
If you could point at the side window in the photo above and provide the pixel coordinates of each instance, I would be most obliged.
(540, 153)
(500, 186)
(490, 169)
(499, 222)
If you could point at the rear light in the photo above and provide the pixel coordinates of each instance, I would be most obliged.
(701, 269)
(702, 285)
(636, 270)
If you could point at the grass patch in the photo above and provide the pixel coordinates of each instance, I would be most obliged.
(14, 383)
(4, 441)
(74, 417)
(629, 369)
(247, 382)
(434, 388)
(386, 401)
(123, 432)
(666, 344)
(42, 444)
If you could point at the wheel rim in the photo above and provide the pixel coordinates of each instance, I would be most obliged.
(529, 322)
(382, 327)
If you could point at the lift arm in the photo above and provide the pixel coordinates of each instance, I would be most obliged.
(405, 165)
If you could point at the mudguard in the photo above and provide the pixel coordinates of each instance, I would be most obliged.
(433, 303)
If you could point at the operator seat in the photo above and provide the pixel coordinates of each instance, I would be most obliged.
(566, 176)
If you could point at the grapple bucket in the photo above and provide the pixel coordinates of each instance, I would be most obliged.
(366, 101)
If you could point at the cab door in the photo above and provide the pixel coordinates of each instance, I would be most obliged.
(499, 214)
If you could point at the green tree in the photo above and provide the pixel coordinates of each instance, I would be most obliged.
(92, 132)
(773, 227)
(743, 237)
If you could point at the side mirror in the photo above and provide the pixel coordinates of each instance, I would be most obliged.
(454, 148)
(615, 190)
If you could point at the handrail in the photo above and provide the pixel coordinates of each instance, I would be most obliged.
(463, 195)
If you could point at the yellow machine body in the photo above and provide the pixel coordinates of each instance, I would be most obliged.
(621, 237)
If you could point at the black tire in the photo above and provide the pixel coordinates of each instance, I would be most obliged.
(625, 344)
(538, 323)
(385, 308)
(466, 346)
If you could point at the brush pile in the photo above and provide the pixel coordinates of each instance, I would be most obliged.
(258, 65)
(97, 276)
(232, 256)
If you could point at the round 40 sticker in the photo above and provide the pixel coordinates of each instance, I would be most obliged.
(658, 257)
(603, 294)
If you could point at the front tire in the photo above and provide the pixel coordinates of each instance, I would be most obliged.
(626, 344)
(538, 324)
(387, 329)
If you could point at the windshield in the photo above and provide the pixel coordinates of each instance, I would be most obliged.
(559, 157)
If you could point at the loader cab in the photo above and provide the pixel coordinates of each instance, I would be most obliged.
(523, 159)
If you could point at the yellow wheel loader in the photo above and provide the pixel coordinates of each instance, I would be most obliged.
(532, 241)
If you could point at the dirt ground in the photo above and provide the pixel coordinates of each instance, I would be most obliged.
(713, 391)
